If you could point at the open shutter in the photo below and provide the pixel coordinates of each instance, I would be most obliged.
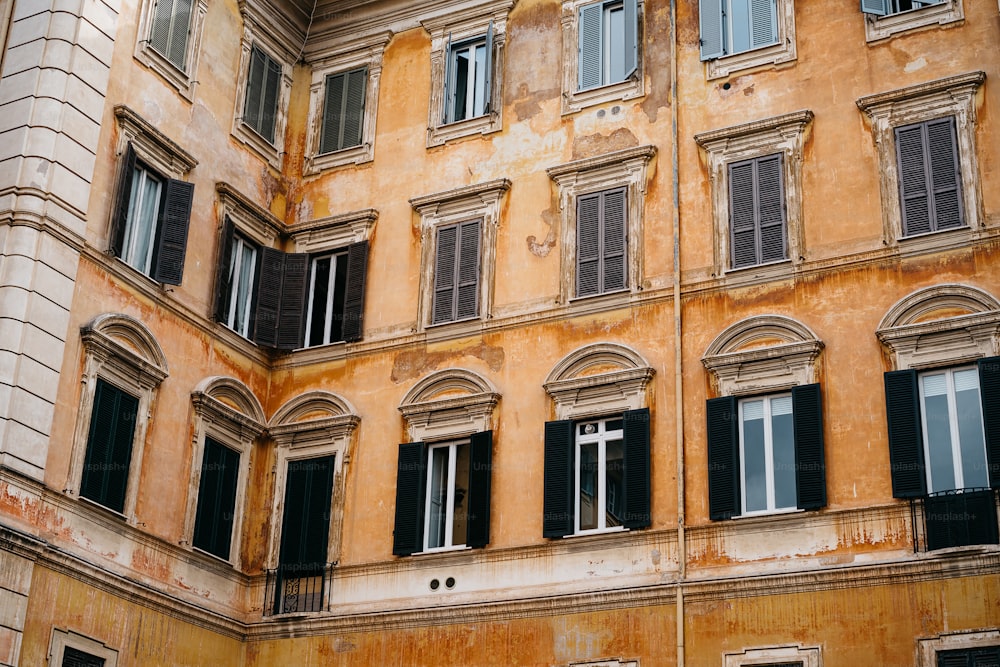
(588, 235)
(305, 522)
(175, 217)
(631, 37)
(906, 451)
(710, 24)
(763, 23)
(444, 274)
(354, 111)
(333, 104)
(945, 177)
(914, 197)
(636, 432)
(213, 528)
(810, 462)
(223, 279)
(272, 266)
(448, 93)
(742, 218)
(723, 458)
(116, 235)
(989, 388)
(292, 307)
(557, 517)
(771, 208)
(480, 474)
(590, 51)
(467, 292)
(613, 251)
(354, 298)
(876, 7)
(488, 74)
(411, 474)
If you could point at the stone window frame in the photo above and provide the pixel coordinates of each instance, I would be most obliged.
(364, 52)
(620, 385)
(449, 405)
(228, 412)
(627, 168)
(483, 201)
(265, 29)
(181, 79)
(61, 639)
(460, 25)
(121, 351)
(574, 100)
(809, 656)
(786, 134)
(951, 96)
(782, 52)
(928, 647)
(878, 28)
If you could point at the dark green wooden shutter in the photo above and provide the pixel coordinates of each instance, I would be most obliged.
(876, 7)
(446, 256)
(723, 458)
(613, 240)
(588, 244)
(354, 299)
(480, 474)
(116, 234)
(109, 446)
(292, 308)
(987, 656)
(989, 388)
(710, 24)
(354, 113)
(591, 58)
(223, 281)
(763, 23)
(558, 510)
(467, 280)
(305, 522)
(75, 658)
(272, 267)
(906, 451)
(631, 10)
(810, 462)
(172, 232)
(636, 434)
(411, 475)
(214, 517)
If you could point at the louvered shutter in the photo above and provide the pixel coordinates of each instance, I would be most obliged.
(109, 446)
(331, 137)
(488, 74)
(444, 274)
(558, 510)
(269, 99)
(223, 279)
(255, 89)
(411, 474)
(354, 298)
(810, 461)
(75, 658)
(116, 234)
(876, 7)
(631, 10)
(159, 35)
(906, 451)
(742, 206)
(771, 208)
(763, 23)
(305, 521)
(213, 528)
(272, 267)
(945, 176)
(710, 24)
(614, 234)
(179, 33)
(467, 292)
(588, 244)
(723, 458)
(989, 388)
(448, 94)
(354, 111)
(480, 474)
(292, 307)
(172, 231)
(590, 48)
(636, 434)
(913, 193)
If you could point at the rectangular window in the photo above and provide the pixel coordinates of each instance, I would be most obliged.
(343, 110)
(736, 26)
(601, 251)
(952, 424)
(608, 43)
(327, 292)
(260, 108)
(599, 475)
(170, 29)
(767, 454)
(887, 7)
(214, 520)
(109, 446)
(456, 272)
(757, 211)
(446, 510)
(241, 276)
(76, 658)
(467, 78)
(930, 183)
(971, 657)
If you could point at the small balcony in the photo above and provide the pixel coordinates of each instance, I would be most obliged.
(963, 517)
(297, 589)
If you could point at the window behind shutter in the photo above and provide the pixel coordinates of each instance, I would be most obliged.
(480, 474)
(76, 658)
(631, 10)
(488, 73)
(636, 434)
(467, 293)
(771, 208)
(906, 452)
(109, 446)
(213, 528)
(175, 217)
(989, 387)
(306, 518)
(710, 24)
(613, 252)
(588, 244)
(116, 234)
(444, 274)
(272, 266)
(411, 473)
(741, 214)
(223, 280)
(291, 309)
(810, 462)
(876, 7)
(557, 517)
(763, 23)
(354, 299)
(913, 194)
(723, 458)
(944, 173)
(590, 49)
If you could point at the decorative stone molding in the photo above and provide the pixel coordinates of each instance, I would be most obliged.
(250, 218)
(950, 96)
(333, 232)
(785, 134)
(941, 325)
(928, 648)
(807, 657)
(763, 353)
(449, 404)
(183, 79)
(944, 12)
(599, 379)
(61, 639)
(781, 52)
(151, 145)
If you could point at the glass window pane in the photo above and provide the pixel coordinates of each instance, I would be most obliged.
(939, 446)
(615, 39)
(140, 225)
(972, 442)
(247, 260)
(437, 490)
(783, 449)
(318, 301)
(460, 508)
(588, 486)
(614, 482)
(754, 463)
(462, 67)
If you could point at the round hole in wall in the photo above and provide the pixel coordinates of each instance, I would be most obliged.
(727, 85)
(600, 113)
(435, 584)
(449, 582)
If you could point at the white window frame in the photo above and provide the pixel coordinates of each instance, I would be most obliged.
(61, 639)
(929, 647)
(181, 78)
(601, 437)
(768, 458)
(951, 96)
(137, 225)
(782, 51)
(452, 447)
(574, 99)
(335, 257)
(956, 449)
(808, 656)
(878, 28)
(241, 246)
(786, 134)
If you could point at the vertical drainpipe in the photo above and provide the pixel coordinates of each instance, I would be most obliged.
(678, 356)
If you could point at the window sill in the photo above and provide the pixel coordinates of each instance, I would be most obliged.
(457, 328)
(104, 509)
(354, 155)
(264, 148)
(483, 125)
(769, 513)
(759, 273)
(948, 239)
(217, 559)
(442, 550)
(878, 28)
(774, 55)
(577, 100)
(597, 531)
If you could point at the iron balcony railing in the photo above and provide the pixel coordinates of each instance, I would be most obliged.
(296, 588)
(962, 517)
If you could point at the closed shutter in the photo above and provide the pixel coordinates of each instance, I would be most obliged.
(223, 278)
(723, 458)
(119, 216)
(305, 521)
(631, 37)
(179, 33)
(291, 309)
(354, 299)
(757, 211)
(945, 176)
(467, 293)
(989, 387)
(810, 462)
(172, 231)
(109, 446)
(906, 451)
(742, 219)
(480, 474)
(444, 274)
(213, 527)
(590, 47)
(771, 208)
(355, 112)
(636, 433)
(331, 138)
(914, 197)
(875, 7)
(272, 266)
(76, 658)
(763, 23)
(159, 35)
(613, 237)
(557, 517)
(255, 89)
(269, 99)
(710, 24)
(588, 244)
(411, 474)
(488, 73)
